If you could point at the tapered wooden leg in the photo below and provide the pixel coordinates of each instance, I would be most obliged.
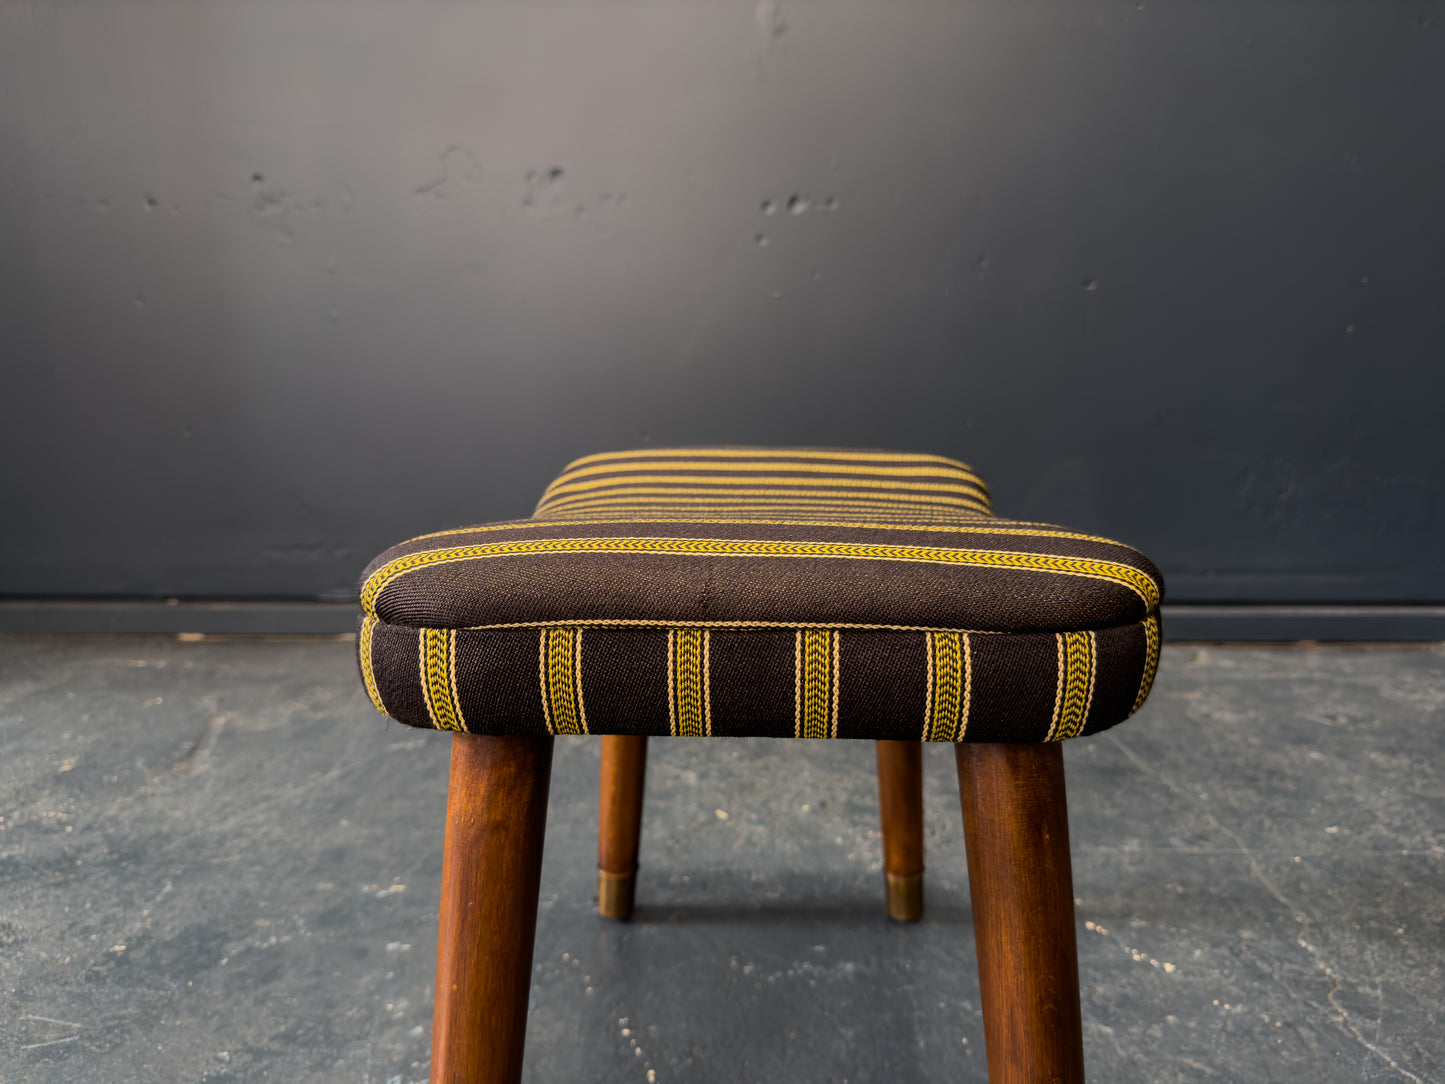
(619, 822)
(900, 802)
(1016, 825)
(492, 864)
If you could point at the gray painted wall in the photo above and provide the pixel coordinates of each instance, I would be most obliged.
(281, 284)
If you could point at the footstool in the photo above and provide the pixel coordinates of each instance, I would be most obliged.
(761, 592)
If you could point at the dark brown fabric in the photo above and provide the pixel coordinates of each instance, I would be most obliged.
(752, 687)
(883, 682)
(466, 579)
(632, 698)
(883, 679)
(1015, 683)
(497, 682)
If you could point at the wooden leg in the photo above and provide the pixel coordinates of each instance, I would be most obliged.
(619, 822)
(1016, 824)
(900, 802)
(496, 818)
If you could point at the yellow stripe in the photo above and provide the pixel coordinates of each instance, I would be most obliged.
(1078, 685)
(779, 466)
(730, 484)
(564, 690)
(368, 671)
(438, 673)
(1151, 660)
(768, 453)
(815, 683)
(947, 670)
(688, 679)
(1125, 575)
(798, 684)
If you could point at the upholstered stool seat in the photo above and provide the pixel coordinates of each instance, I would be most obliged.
(796, 593)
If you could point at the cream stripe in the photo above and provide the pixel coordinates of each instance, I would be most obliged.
(1151, 660)
(967, 687)
(836, 663)
(1059, 688)
(421, 671)
(798, 684)
(768, 453)
(368, 667)
(452, 680)
(581, 708)
(546, 699)
(707, 680)
(928, 697)
(672, 682)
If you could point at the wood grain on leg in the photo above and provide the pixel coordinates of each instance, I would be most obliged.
(619, 822)
(496, 818)
(1016, 826)
(900, 803)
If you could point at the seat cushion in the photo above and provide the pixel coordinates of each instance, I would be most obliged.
(752, 483)
(784, 592)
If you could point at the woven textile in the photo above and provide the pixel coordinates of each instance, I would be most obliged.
(783, 592)
(767, 482)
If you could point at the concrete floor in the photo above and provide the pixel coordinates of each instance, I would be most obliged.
(217, 863)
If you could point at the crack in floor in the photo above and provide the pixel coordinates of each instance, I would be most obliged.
(1342, 1015)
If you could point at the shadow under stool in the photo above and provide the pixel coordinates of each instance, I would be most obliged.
(765, 592)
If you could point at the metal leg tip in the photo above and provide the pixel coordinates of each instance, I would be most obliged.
(614, 894)
(905, 897)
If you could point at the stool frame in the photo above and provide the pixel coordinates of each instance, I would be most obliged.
(1020, 880)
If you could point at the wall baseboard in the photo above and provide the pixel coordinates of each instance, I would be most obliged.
(207, 618)
(1191, 621)
(1182, 621)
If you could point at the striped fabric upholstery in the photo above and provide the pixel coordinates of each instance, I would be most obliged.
(807, 593)
(754, 482)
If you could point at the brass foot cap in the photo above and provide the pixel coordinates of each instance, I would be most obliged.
(614, 894)
(905, 897)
